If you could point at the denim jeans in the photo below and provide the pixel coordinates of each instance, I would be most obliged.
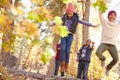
(57, 64)
(83, 70)
(65, 45)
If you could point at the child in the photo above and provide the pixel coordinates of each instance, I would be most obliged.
(57, 61)
(70, 20)
(83, 57)
(110, 31)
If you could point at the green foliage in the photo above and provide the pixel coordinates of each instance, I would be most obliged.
(35, 41)
(40, 14)
(58, 20)
(36, 17)
(48, 40)
(66, 1)
(39, 2)
(62, 30)
(45, 57)
(41, 18)
(32, 16)
(101, 5)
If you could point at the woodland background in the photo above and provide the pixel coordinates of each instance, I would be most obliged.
(28, 37)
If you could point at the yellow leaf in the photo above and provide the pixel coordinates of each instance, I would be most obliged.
(2, 19)
(20, 10)
(34, 1)
(41, 2)
(4, 3)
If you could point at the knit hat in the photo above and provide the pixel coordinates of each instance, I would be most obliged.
(110, 12)
(70, 7)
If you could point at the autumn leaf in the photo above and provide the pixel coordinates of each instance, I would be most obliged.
(63, 31)
(6, 46)
(48, 40)
(58, 20)
(2, 19)
(32, 16)
(20, 31)
(101, 5)
(41, 2)
(66, 1)
(35, 1)
(35, 41)
(32, 29)
(45, 57)
(20, 11)
(4, 3)
(40, 18)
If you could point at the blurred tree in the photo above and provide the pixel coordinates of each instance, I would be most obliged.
(27, 30)
(57, 7)
(8, 38)
(86, 13)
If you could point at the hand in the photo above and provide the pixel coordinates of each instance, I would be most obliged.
(58, 48)
(95, 26)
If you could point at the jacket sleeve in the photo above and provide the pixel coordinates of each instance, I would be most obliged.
(84, 22)
(101, 17)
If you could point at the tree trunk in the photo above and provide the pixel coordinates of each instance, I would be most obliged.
(6, 57)
(85, 31)
(55, 41)
(76, 41)
(51, 66)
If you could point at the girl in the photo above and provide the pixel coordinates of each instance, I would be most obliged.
(57, 61)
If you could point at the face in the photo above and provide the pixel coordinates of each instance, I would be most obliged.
(88, 42)
(70, 14)
(112, 17)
